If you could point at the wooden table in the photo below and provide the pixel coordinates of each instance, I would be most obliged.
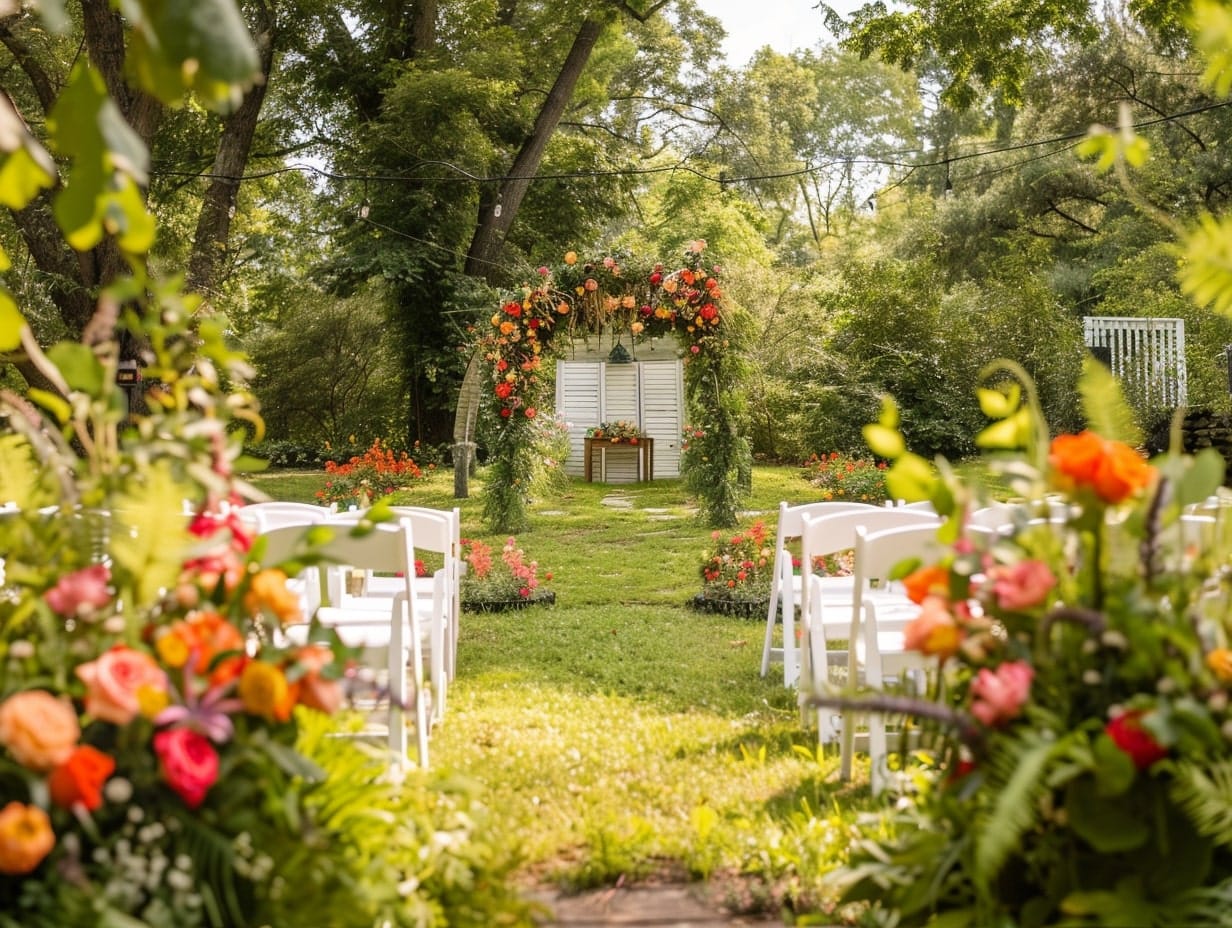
(645, 457)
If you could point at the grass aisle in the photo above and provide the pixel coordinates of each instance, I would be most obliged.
(620, 732)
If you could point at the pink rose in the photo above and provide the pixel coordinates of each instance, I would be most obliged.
(81, 591)
(39, 729)
(189, 763)
(998, 695)
(114, 682)
(1022, 585)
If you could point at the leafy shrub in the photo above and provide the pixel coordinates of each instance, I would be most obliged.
(377, 472)
(844, 477)
(289, 453)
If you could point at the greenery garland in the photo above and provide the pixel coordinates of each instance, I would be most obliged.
(618, 294)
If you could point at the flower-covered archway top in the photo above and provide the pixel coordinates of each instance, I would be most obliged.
(579, 298)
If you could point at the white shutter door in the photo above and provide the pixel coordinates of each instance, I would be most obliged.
(620, 404)
(579, 401)
(662, 389)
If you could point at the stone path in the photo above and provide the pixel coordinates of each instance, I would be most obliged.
(662, 905)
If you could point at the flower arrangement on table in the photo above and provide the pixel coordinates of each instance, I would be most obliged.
(738, 570)
(846, 477)
(507, 581)
(1084, 665)
(617, 433)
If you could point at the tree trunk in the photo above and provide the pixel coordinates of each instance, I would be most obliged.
(482, 259)
(234, 149)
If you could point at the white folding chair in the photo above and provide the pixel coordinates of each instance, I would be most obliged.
(398, 629)
(267, 516)
(438, 597)
(880, 612)
(785, 584)
(826, 602)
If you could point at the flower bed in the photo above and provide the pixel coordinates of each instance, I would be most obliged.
(496, 584)
(736, 574)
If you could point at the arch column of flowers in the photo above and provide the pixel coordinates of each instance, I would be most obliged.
(620, 295)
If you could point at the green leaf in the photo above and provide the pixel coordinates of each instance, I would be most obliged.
(87, 125)
(1108, 825)
(996, 404)
(884, 442)
(200, 45)
(11, 323)
(911, 478)
(19, 471)
(21, 179)
(78, 208)
(1013, 813)
(889, 413)
(81, 369)
(1114, 770)
(247, 464)
(1201, 478)
(126, 217)
(1009, 433)
(1206, 272)
(149, 535)
(1104, 406)
(52, 402)
(1212, 26)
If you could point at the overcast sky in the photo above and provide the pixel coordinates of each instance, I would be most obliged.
(784, 25)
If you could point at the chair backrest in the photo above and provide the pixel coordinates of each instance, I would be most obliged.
(829, 534)
(280, 514)
(791, 518)
(388, 547)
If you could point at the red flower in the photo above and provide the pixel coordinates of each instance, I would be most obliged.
(80, 779)
(189, 763)
(513, 309)
(506, 412)
(708, 312)
(655, 279)
(504, 389)
(530, 412)
(1127, 733)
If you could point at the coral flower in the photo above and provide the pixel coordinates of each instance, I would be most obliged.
(79, 780)
(269, 592)
(25, 838)
(1110, 469)
(998, 695)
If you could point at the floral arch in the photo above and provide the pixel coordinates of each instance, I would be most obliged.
(617, 294)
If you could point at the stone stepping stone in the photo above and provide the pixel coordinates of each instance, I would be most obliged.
(617, 502)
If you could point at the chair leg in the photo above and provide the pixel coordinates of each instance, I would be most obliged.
(772, 617)
(791, 669)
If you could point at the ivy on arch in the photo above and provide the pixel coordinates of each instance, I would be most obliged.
(618, 294)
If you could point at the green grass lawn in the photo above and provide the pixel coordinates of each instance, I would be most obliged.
(619, 731)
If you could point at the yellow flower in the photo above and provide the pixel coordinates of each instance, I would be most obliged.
(264, 691)
(1220, 663)
(570, 257)
(172, 649)
(496, 319)
(151, 701)
(25, 838)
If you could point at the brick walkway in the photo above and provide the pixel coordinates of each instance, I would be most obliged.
(661, 905)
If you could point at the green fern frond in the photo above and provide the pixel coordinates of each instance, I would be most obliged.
(213, 857)
(19, 473)
(1202, 905)
(1016, 775)
(1204, 793)
(1104, 405)
(149, 536)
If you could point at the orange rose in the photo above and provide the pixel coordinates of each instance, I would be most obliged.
(268, 591)
(39, 729)
(1111, 469)
(25, 837)
(80, 779)
(933, 580)
(214, 635)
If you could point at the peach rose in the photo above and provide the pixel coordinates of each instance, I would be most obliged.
(933, 580)
(114, 681)
(25, 837)
(40, 730)
(934, 631)
(268, 591)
